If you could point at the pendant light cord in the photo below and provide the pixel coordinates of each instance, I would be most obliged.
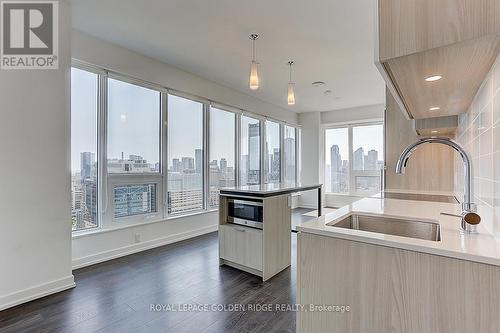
(253, 49)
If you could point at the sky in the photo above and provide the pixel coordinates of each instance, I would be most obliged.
(83, 115)
(222, 135)
(185, 127)
(133, 123)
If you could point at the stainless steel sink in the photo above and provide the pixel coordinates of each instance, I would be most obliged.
(391, 226)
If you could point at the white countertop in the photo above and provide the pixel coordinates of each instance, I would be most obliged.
(267, 189)
(481, 247)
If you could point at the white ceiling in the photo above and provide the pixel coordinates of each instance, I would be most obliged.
(329, 40)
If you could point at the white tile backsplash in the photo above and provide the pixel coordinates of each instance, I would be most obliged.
(479, 133)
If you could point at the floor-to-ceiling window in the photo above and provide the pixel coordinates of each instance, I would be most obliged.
(368, 157)
(84, 204)
(185, 155)
(337, 159)
(290, 154)
(133, 149)
(141, 153)
(250, 148)
(272, 153)
(222, 153)
(354, 159)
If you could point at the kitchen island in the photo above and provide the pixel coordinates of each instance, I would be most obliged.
(269, 190)
(255, 226)
(400, 266)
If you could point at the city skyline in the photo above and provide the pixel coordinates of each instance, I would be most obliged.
(184, 192)
(337, 170)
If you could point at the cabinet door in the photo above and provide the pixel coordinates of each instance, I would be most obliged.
(241, 245)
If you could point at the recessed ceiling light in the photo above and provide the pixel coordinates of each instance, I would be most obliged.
(318, 83)
(434, 108)
(327, 92)
(433, 78)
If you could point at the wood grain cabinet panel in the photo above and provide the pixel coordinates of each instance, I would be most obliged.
(263, 252)
(241, 245)
(457, 39)
(412, 26)
(393, 290)
(430, 167)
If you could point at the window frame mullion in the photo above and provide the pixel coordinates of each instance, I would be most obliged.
(102, 150)
(237, 149)
(263, 147)
(206, 156)
(164, 151)
(282, 153)
(351, 160)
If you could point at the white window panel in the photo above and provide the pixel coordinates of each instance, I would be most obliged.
(133, 128)
(250, 151)
(185, 156)
(272, 153)
(84, 173)
(354, 159)
(222, 153)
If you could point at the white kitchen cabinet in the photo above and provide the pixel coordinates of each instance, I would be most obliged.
(241, 245)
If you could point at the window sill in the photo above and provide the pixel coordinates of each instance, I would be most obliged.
(96, 231)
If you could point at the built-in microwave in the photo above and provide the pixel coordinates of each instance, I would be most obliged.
(245, 212)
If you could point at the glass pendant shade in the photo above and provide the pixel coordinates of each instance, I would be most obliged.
(291, 94)
(254, 76)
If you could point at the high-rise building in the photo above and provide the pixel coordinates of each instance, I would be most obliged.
(371, 160)
(86, 164)
(176, 165)
(198, 157)
(90, 205)
(289, 159)
(214, 165)
(187, 164)
(358, 162)
(223, 165)
(132, 200)
(275, 166)
(335, 168)
(253, 161)
(134, 163)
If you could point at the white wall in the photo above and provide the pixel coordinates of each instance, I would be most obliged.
(361, 113)
(96, 247)
(313, 147)
(93, 248)
(35, 241)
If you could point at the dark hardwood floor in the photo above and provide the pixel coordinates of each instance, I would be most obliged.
(117, 295)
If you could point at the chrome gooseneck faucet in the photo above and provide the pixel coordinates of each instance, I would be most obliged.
(469, 217)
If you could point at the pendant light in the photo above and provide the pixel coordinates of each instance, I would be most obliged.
(254, 76)
(291, 93)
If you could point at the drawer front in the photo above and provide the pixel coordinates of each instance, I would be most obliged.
(241, 245)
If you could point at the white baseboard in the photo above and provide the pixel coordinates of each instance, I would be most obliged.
(138, 247)
(32, 293)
